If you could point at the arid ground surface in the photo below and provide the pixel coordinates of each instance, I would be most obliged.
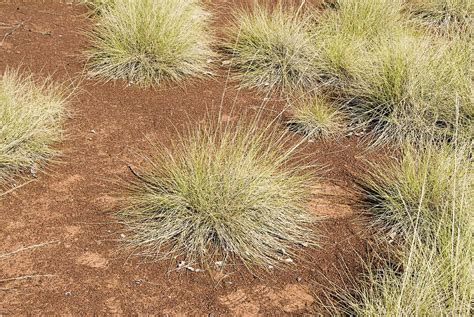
(69, 207)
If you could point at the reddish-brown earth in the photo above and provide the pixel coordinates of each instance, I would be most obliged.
(85, 271)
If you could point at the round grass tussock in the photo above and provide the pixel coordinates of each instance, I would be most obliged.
(417, 188)
(345, 34)
(370, 19)
(412, 89)
(316, 117)
(31, 115)
(151, 41)
(222, 192)
(271, 48)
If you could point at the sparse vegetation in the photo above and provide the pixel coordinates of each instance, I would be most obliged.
(31, 114)
(236, 193)
(222, 192)
(271, 48)
(316, 117)
(151, 41)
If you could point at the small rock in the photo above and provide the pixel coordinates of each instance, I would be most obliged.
(138, 282)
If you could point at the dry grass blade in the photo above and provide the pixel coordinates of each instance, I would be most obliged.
(444, 15)
(34, 246)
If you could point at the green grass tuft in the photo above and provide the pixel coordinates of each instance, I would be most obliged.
(317, 117)
(222, 192)
(346, 33)
(31, 114)
(151, 41)
(272, 49)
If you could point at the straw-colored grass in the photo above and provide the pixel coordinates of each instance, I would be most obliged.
(346, 33)
(425, 200)
(316, 116)
(96, 6)
(412, 88)
(271, 49)
(151, 41)
(31, 114)
(369, 19)
(220, 193)
(444, 15)
(390, 77)
(394, 191)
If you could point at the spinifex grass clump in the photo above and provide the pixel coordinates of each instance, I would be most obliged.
(412, 88)
(425, 200)
(344, 34)
(223, 191)
(433, 173)
(316, 117)
(446, 15)
(31, 113)
(271, 48)
(363, 18)
(150, 41)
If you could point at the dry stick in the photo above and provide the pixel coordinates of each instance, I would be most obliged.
(25, 277)
(14, 28)
(15, 188)
(4, 255)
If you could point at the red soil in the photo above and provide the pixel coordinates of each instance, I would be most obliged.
(86, 271)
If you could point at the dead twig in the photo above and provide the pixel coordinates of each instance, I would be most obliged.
(12, 30)
(24, 277)
(15, 188)
(4, 255)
